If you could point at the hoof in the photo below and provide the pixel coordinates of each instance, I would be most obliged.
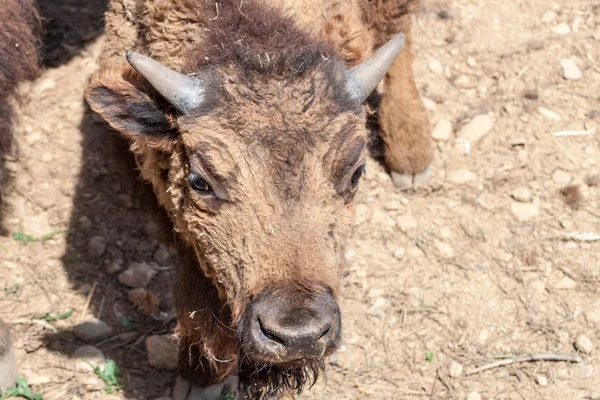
(407, 181)
(184, 390)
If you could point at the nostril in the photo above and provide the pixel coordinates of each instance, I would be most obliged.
(269, 335)
(325, 332)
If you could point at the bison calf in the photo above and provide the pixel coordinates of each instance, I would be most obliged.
(247, 118)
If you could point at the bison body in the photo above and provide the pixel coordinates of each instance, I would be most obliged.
(248, 121)
(19, 41)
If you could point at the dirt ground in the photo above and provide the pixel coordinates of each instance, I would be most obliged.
(451, 275)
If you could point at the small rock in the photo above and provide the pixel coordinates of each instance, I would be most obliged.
(561, 177)
(137, 275)
(583, 344)
(127, 336)
(96, 246)
(549, 114)
(84, 288)
(382, 218)
(524, 211)
(444, 249)
(436, 67)
(44, 85)
(541, 380)
(562, 29)
(442, 131)
(92, 330)
(151, 228)
(391, 205)
(586, 371)
(471, 62)
(531, 94)
(455, 369)
(548, 16)
(521, 194)
(161, 255)
(406, 222)
(125, 200)
(88, 357)
(162, 352)
(84, 222)
(476, 129)
(592, 180)
(570, 69)
(464, 82)
(460, 176)
(376, 312)
(566, 283)
(474, 396)
(37, 225)
(399, 253)
(518, 141)
(113, 267)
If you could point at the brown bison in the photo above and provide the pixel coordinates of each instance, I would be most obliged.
(19, 40)
(247, 117)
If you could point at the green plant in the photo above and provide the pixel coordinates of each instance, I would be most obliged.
(429, 355)
(49, 317)
(22, 390)
(109, 376)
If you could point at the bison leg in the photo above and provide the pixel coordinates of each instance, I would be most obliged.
(8, 364)
(403, 121)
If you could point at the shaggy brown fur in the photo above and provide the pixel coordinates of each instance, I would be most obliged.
(278, 141)
(19, 40)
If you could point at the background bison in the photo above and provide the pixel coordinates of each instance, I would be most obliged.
(458, 270)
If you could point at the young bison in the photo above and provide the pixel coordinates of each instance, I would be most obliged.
(19, 38)
(249, 124)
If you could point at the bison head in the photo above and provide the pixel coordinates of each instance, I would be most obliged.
(257, 165)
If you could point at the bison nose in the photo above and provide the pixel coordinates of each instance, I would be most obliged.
(295, 326)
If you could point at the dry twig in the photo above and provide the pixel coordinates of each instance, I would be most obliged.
(88, 301)
(526, 358)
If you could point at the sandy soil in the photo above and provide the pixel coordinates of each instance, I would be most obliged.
(457, 270)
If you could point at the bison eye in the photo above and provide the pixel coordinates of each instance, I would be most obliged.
(199, 184)
(356, 175)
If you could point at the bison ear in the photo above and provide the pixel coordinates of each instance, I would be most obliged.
(130, 105)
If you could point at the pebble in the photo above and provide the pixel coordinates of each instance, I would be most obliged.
(562, 29)
(474, 396)
(524, 211)
(444, 249)
(541, 380)
(96, 246)
(399, 253)
(44, 85)
(518, 141)
(549, 114)
(151, 228)
(376, 312)
(162, 352)
(161, 255)
(455, 369)
(382, 218)
(137, 275)
(88, 357)
(471, 62)
(113, 267)
(460, 176)
(586, 371)
(125, 200)
(442, 131)
(592, 180)
(521, 194)
(476, 129)
(583, 344)
(464, 82)
(570, 69)
(92, 330)
(561, 177)
(37, 225)
(566, 283)
(84, 222)
(391, 205)
(406, 222)
(548, 16)
(436, 67)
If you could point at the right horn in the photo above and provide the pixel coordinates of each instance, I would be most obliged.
(184, 92)
(364, 78)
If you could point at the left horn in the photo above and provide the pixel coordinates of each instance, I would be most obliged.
(364, 78)
(183, 92)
